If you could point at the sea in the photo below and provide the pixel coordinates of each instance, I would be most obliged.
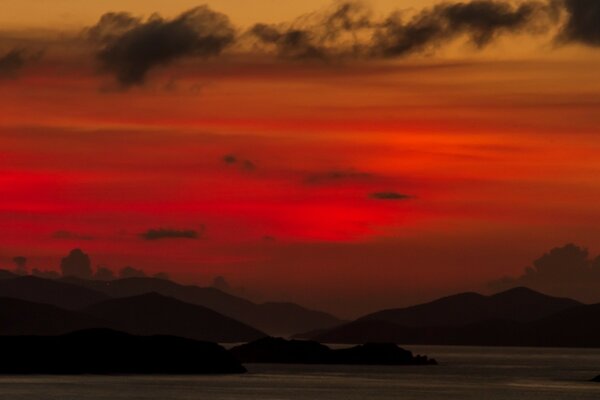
(463, 373)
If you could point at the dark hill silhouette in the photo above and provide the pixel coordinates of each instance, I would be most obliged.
(20, 317)
(47, 291)
(575, 327)
(108, 352)
(281, 351)
(154, 314)
(6, 274)
(518, 304)
(518, 317)
(273, 318)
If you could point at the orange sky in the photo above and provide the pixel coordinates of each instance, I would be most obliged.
(495, 151)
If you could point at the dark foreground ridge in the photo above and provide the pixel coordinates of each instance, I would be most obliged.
(281, 351)
(596, 379)
(102, 351)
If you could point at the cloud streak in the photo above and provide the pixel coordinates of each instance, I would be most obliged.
(390, 196)
(11, 63)
(162, 234)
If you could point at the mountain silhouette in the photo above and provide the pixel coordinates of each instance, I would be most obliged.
(273, 318)
(6, 274)
(102, 351)
(57, 293)
(154, 314)
(518, 304)
(518, 317)
(281, 351)
(20, 317)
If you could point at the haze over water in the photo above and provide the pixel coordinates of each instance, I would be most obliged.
(464, 373)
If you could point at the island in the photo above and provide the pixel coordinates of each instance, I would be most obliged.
(108, 352)
(281, 351)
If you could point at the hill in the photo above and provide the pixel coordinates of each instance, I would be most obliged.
(57, 293)
(154, 314)
(518, 304)
(273, 318)
(20, 317)
(518, 317)
(281, 351)
(103, 351)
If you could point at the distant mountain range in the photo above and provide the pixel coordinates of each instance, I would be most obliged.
(148, 306)
(57, 293)
(273, 318)
(154, 314)
(517, 317)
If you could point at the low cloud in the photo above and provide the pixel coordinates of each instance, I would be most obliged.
(130, 272)
(11, 63)
(394, 196)
(77, 265)
(332, 177)
(162, 234)
(131, 47)
(245, 165)
(67, 235)
(583, 23)
(350, 30)
(567, 271)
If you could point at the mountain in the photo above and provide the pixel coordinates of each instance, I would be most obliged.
(518, 317)
(20, 317)
(518, 304)
(102, 351)
(47, 291)
(6, 274)
(154, 314)
(575, 327)
(273, 318)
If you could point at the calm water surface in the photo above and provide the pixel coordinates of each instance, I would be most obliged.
(464, 373)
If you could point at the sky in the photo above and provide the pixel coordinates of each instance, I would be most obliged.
(345, 156)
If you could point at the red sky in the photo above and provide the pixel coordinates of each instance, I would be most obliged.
(489, 157)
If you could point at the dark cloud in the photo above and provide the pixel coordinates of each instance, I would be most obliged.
(11, 63)
(20, 265)
(246, 165)
(162, 275)
(350, 30)
(583, 24)
(130, 47)
(390, 196)
(230, 159)
(567, 271)
(77, 264)
(318, 35)
(104, 274)
(162, 233)
(67, 235)
(45, 274)
(221, 283)
(337, 176)
(130, 272)
(480, 20)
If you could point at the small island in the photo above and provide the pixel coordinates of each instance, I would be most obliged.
(282, 351)
(107, 352)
